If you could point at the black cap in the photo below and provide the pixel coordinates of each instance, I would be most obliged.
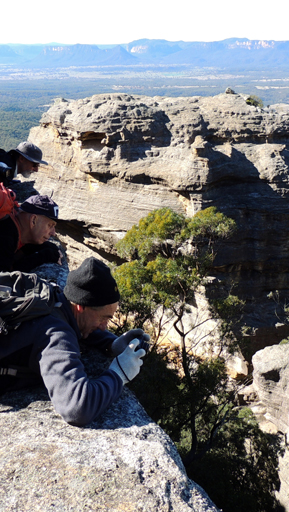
(41, 205)
(91, 284)
(30, 152)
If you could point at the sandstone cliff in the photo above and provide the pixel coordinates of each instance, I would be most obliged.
(113, 158)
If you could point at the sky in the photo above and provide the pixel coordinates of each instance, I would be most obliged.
(119, 22)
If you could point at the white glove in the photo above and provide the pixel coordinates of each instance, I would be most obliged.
(120, 344)
(127, 364)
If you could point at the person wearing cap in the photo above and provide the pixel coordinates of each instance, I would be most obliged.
(24, 237)
(49, 347)
(24, 160)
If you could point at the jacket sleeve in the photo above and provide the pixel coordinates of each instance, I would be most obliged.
(77, 398)
(31, 256)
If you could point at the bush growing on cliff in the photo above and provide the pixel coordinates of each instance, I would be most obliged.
(255, 101)
(187, 392)
(169, 257)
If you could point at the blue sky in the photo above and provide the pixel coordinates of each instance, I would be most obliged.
(115, 21)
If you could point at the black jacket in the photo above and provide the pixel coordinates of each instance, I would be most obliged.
(10, 159)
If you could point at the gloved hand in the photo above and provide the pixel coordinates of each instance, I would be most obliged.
(120, 344)
(127, 365)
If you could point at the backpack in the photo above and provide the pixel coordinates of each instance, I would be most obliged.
(8, 203)
(24, 297)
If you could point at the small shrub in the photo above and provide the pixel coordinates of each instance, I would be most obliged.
(255, 101)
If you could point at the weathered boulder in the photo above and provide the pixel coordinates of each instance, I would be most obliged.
(115, 157)
(271, 384)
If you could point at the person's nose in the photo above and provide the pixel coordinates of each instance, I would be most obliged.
(52, 232)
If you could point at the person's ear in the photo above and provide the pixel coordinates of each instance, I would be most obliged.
(33, 220)
(79, 308)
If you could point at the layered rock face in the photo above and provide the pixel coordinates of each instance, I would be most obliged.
(113, 158)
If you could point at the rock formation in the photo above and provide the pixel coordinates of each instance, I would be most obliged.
(271, 385)
(271, 382)
(113, 158)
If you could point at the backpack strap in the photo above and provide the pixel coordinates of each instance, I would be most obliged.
(13, 217)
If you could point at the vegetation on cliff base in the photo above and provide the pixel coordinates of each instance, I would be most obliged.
(184, 389)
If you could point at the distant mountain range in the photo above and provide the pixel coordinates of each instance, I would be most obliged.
(230, 54)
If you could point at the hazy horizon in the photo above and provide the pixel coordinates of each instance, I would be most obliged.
(27, 23)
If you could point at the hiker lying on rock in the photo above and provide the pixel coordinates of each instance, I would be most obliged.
(49, 347)
(24, 160)
(24, 235)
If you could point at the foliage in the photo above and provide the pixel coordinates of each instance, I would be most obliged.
(210, 225)
(255, 101)
(15, 126)
(229, 306)
(233, 460)
(241, 471)
(190, 395)
(28, 98)
(159, 225)
(170, 255)
(285, 341)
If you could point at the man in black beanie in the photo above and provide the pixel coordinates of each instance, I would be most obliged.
(49, 347)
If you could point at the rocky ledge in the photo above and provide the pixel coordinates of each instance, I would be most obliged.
(124, 461)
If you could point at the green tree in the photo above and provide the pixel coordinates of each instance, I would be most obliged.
(170, 255)
(189, 394)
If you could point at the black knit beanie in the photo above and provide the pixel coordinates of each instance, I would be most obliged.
(91, 284)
